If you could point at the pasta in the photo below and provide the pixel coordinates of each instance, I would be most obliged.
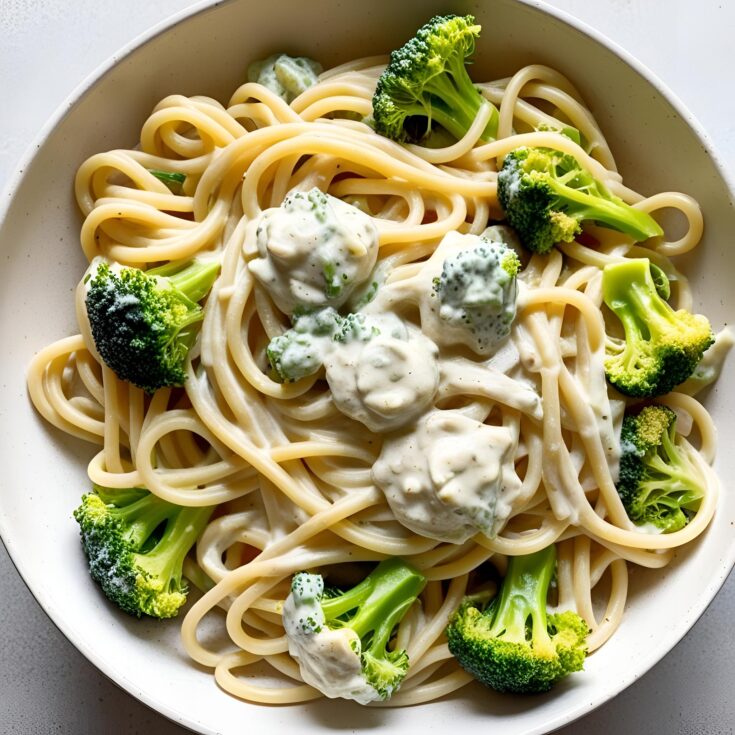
(289, 473)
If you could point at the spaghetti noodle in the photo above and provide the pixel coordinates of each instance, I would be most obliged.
(290, 474)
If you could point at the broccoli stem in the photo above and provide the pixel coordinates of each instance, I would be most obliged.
(381, 600)
(193, 280)
(631, 293)
(523, 596)
(119, 496)
(457, 104)
(165, 560)
(141, 518)
(619, 216)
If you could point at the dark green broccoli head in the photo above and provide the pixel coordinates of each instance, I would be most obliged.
(662, 347)
(144, 324)
(547, 195)
(427, 82)
(513, 645)
(136, 545)
(658, 483)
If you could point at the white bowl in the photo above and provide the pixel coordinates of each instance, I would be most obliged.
(44, 471)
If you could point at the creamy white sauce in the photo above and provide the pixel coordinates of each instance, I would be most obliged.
(510, 177)
(505, 234)
(461, 376)
(388, 381)
(329, 660)
(464, 295)
(650, 529)
(445, 474)
(710, 366)
(450, 477)
(313, 250)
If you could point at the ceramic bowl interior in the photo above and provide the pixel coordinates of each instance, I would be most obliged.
(658, 148)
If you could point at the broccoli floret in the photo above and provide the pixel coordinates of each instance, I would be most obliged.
(287, 76)
(477, 291)
(313, 251)
(136, 544)
(301, 350)
(658, 483)
(356, 327)
(662, 347)
(144, 323)
(514, 645)
(354, 629)
(547, 195)
(427, 82)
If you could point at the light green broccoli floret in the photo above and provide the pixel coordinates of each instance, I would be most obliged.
(136, 544)
(356, 327)
(477, 291)
(301, 350)
(514, 645)
(369, 613)
(287, 76)
(568, 131)
(547, 195)
(658, 483)
(662, 347)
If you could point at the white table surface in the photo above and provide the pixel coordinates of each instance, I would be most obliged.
(46, 48)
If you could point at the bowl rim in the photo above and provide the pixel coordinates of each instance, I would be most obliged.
(19, 173)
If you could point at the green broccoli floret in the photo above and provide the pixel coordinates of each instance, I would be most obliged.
(427, 82)
(514, 645)
(477, 292)
(662, 347)
(136, 544)
(145, 323)
(547, 195)
(658, 483)
(371, 610)
(287, 76)
(301, 350)
(355, 327)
